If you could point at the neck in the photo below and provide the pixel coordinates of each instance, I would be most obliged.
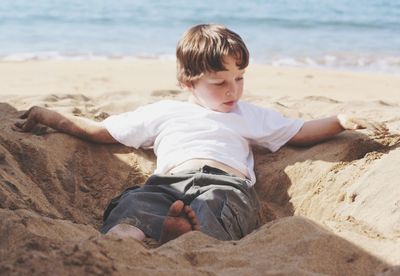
(192, 99)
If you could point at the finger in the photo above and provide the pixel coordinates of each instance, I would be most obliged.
(25, 114)
(29, 125)
(379, 127)
(371, 125)
(19, 124)
(380, 131)
(376, 127)
(17, 127)
(356, 123)
(383, 128)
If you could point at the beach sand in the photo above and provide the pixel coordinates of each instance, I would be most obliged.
(330, 209)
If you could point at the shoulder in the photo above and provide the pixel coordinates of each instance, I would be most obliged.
(146, 112)
(161, 103)
(249, 109)
(160, 106)
(263, 115)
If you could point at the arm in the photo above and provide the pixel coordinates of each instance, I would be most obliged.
(316, 131)
(77, 126)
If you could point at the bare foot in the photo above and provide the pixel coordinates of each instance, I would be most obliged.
(180, 219)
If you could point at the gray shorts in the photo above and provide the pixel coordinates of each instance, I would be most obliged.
(226, 207)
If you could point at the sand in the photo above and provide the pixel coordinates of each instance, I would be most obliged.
(330, 209)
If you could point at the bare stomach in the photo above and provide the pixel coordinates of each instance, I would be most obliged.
(194, 164)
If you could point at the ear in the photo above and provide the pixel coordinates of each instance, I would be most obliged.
(187, 85)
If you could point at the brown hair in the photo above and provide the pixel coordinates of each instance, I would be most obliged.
(203, 48)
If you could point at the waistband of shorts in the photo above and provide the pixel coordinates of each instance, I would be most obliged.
(207, 170)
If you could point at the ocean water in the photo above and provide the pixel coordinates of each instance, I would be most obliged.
(357, 35)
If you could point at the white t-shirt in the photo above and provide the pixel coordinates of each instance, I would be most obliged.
(180, 131)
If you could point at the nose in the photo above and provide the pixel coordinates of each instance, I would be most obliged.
(232, 89)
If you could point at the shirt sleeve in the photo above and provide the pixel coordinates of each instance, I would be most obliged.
(130, 128)
(273, 129)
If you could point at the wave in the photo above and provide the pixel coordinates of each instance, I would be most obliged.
(384, 64)
(259, 21)
(387, 64)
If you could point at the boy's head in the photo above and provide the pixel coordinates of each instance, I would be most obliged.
(203, 49)
(210, 62)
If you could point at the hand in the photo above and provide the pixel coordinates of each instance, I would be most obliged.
(353, 123)
(31, 120)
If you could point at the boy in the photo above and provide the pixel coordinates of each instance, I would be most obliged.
(204, 177)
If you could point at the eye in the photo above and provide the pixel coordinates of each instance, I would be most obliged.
(219, 83)
(239, 79)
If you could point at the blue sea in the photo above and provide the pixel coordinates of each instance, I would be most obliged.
(357, 35)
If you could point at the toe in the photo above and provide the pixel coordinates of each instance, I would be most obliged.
(176, 208)
(191, 215)
(195, 224)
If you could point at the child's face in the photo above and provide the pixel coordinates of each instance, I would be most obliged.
(220, 90)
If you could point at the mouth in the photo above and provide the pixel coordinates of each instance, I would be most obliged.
(230, 103)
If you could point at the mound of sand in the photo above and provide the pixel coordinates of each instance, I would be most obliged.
(330, 209)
